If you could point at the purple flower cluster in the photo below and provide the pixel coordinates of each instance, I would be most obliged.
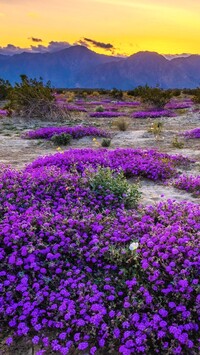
(108, 114)
(75, 132)
(3, 112)
(69, 280)
(133, 162)
(153, 114)
(174, 104)
(188, 183)
(75, 108)
(127, 103)
(194, 133)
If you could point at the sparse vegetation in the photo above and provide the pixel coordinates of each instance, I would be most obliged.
(121, 123)
(154, 96)
(177, 143)
(99, 108)
(5, 88)
(106, 142)
(32, 98)
(107, 183)
(196, 98)
(156, 128)
(61, 139)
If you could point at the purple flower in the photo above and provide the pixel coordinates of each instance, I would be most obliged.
(9, 341)
(83, 346)
(35, 339)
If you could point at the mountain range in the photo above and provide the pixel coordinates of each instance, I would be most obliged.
(79, 67)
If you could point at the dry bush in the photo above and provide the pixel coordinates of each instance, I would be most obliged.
(121, 123)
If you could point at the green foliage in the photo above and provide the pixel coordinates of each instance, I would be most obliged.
(106, 142)
(116, 94)
(61, 139)
(30, 90)
(176, 92)
(176, 143)
(153, 96)
(106, 182)
(121, 123)
(31, 97)
(5, 88)
(99, 108)
(190, 92)
(196, 98)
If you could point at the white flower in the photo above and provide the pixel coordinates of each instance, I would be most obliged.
(134, 246)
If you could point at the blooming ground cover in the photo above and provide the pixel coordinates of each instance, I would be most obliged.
(177, 104)
(194, 133)
(80, 272)
(133, 162)
(188, 183)
(114, 108)
(153, 114)
(3, 113)
(108, 114)
(75, 132)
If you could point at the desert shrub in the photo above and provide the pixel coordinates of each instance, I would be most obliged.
(32, 98)
(153, 96)
(176, 92)
(106, 142)
(181, 111)
(61, 139)
(5, 88)
(95, 93)
(116, 94)
(121, 123)
(156, 128)
(70, 96)
(196, 97)
(115, 187)
(99, 108)
(176, 143)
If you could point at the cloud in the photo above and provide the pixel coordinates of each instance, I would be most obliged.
(34, 39)
(57, 46)
(172, 56)
(10, 49)
(52, 46)
(87, 42)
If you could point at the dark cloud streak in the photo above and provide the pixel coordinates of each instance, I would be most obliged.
(107, 46)
(34, 39)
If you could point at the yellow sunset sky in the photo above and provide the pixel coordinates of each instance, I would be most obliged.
(106, 26)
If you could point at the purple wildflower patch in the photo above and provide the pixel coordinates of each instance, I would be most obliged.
(108, 114)
(192, 134)
(70, 281)
(153, 114)
(75, 132)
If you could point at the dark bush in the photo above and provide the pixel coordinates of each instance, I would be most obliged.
(106, 142)
(5, 88)
(154, 96)
(33, 98)
(61, 139)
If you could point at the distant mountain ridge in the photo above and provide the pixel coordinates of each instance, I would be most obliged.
(77, 66)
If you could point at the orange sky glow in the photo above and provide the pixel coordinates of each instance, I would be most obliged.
(119, 27)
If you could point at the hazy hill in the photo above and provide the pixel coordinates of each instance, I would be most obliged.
(78, 66)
